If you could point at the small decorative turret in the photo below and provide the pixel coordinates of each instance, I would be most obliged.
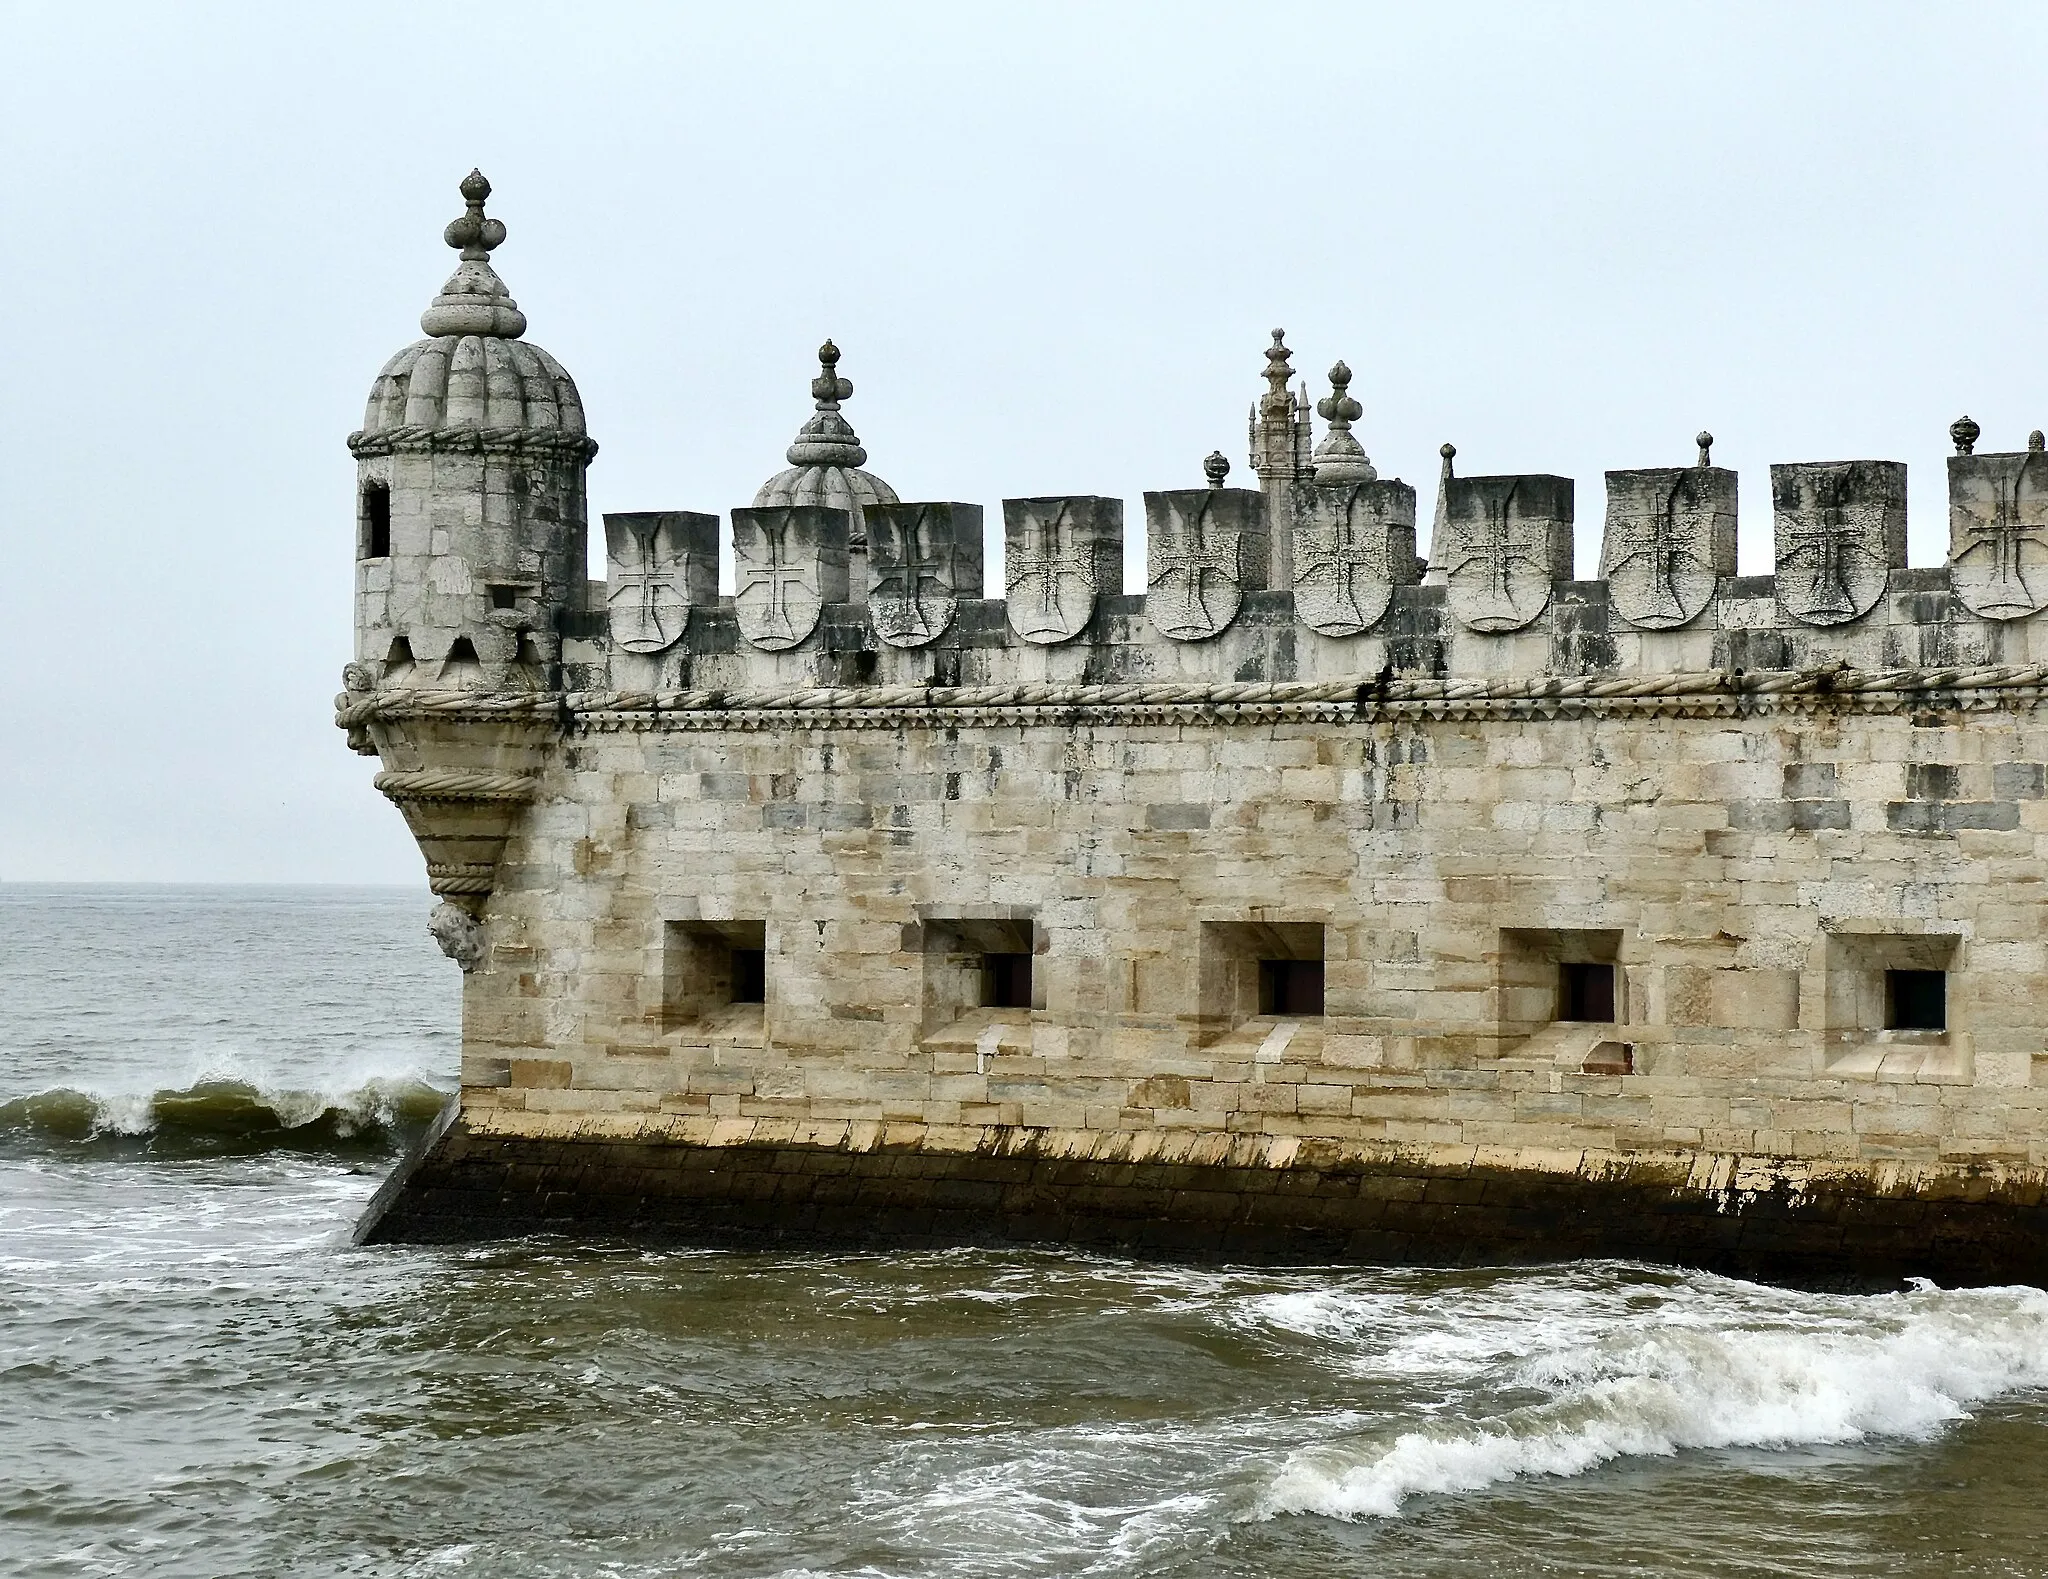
(825, 461)
(1965, 432)
(1339, 458)
(471, 513)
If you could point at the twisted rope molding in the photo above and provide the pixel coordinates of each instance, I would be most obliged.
(456, 784)
(1333, 697)
(417, 440)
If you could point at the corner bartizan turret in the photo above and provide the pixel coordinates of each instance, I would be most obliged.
(470, 505)
(470, 562)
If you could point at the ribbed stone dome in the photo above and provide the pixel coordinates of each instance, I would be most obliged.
(825, 461)
(473, 371)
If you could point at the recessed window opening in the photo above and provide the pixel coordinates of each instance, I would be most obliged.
(1585, 991)
(1006, 981)
(376, 522)
(1291, 986)
(1916, 1000)
(503, 597)
(749, 975)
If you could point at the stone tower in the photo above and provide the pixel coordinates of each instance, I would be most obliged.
(470, 513)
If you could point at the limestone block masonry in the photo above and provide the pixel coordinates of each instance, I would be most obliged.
(1327, 900)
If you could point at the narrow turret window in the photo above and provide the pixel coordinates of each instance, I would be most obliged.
(376, 521)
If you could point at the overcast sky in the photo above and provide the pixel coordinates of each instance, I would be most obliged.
(1050, 241)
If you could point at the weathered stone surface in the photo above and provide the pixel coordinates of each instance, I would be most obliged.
(1204, 549)
(1353, 544)
(661, 564)
(1059, 555)
(1507, 541)
(1670, 538)
(1350, 928)
(1841, 531)
(788, 563)
(1998, 533)
(922, 559)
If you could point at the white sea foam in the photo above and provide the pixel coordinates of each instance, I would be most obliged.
(1899, 1366)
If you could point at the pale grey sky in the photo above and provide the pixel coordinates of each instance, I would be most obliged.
(1049, 239)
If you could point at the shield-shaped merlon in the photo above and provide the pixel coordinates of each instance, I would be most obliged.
(789, 561)
(1670, 538)
(1059, 552)
(1839, 530)
(1353, 544)
(659, 565)
(1508, 542)
(922, 559)
(1998, 533)
(1204, 549)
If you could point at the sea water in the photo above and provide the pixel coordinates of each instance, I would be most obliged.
(199, 1375)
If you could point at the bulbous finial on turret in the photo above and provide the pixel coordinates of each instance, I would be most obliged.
(1339, 458)
(1216, 467)
(828, 388)
(1965, 432)
(1279, 370)
(474, 301)
(1705, 441)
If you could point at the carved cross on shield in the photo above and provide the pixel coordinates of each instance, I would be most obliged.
(1841, 531)
(1670, 538)
(922, 558)
(789, 561)
(1508, 541)
(1058, 553)
(659, 563)
(1203, 548)
(1353, 543)
(1998, 533)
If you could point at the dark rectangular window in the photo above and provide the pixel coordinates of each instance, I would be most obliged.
(749, 975)
(1916, 1000)
(1290, 986)
(504, 597)
(1006, 981)
(1586, 992)
(376, 522)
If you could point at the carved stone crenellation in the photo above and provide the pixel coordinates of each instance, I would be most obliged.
(1841, 532)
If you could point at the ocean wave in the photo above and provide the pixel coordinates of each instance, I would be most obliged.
(216, 1114)
(1913, 1363)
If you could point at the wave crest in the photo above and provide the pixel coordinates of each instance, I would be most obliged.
(1933, 1355)
(216, 1115)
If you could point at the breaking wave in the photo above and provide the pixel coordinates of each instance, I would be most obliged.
(221, 1114)
(1909, 1365)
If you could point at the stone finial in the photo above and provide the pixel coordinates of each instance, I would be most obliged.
(828, 438)
(1965, 433)
(1450, 453)
(474, 301)
(476, 236)
(2035, 442)
(1340, 458)
(1705, 441)
(1216, 467)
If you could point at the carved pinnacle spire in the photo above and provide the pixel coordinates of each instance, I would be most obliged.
(1279, 370)
(1965, 432)
(1705, 441)
(828, 388)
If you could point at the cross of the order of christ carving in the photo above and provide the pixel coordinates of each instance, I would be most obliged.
(1041, 564)
(776, 572)
(1340, 550)
(1659, 546)
(1190, 552)
(902, 576)
(648, 575)
(1826, 548)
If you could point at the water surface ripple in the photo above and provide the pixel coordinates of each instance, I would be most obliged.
(199, 1376)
